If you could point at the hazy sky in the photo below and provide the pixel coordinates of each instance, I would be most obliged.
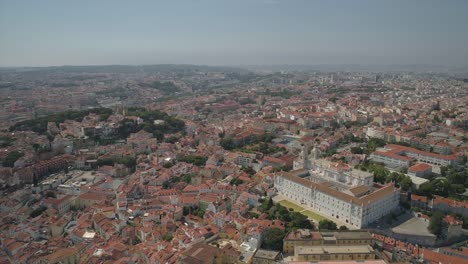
(218, 32)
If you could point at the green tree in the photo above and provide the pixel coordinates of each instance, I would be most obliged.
(168, 165)
(193, 159)
(38, 211)
(437, 224)
(266, 205)
(248, 170)
(393, 177)
(441, 187)
(327, 225)
(167, 237)
(186, 210)
(299, 220)
(253, 215)
(357, 150)
(50, 194)
(374, 143)
(274, 239)
(380, 172)
(35, 147)
(187, 178)
(406, 183)
(172, 139)
(200, 213)
(236, 181)
(343, 227)
(166, 184)
(425, 189)
(227, 143)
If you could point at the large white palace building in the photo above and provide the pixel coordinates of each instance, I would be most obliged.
(336, 190)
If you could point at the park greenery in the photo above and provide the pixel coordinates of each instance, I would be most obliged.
(128, 126)
(293, 220)
(229, 143)
(171, 182)
(170, 124)
(39, 125)
(262, 147)
(194, 159)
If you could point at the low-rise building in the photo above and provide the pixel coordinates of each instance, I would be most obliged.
(263, 256)
(420, 170)
(306, 237)
(342, 253)
(397, 155)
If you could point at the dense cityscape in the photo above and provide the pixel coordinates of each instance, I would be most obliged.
(203, 164)
(234, 132)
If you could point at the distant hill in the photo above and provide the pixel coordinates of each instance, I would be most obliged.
(183, 68)
(188, 68)
(357, 68)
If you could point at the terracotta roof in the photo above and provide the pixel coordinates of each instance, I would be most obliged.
(450, 202)
(359, 190)
(93, 196)
(451, 220)
(420, 167)
(398, 148)
(419, 198)
(435, 257)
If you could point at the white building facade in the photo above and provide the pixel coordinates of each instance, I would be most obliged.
(335, 190)
(355, 211)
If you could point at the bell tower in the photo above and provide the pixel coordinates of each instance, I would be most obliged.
(315, 153)
(303, 160)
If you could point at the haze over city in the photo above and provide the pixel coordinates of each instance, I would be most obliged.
(254, 32)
